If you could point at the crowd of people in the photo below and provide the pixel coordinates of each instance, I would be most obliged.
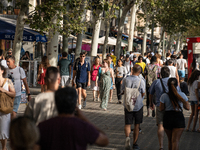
(54, 120)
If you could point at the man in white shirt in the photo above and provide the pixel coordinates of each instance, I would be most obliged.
(181, 65)
(148, 60)
(168, 57)
(131, 56)
(128, 65)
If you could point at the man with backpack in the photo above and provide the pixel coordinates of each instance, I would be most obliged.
(152, 72)
(134, 90)
(82, 73)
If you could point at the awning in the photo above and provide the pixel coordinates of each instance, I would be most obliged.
(7, 31)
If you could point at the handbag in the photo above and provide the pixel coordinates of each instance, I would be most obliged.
(6, 102)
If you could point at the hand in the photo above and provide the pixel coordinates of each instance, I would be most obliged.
(152, 106)
(121, 82)
(96, 84)
(29, 98)
(3, 90)
(113, 87)
(88, 83)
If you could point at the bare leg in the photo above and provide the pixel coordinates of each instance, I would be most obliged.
(13, 115)
(127, 130)
(195, 117)
(111, 94)
(42, 88)
(98, 94)
(79, 95)
(169, 136)
(84, 94)
(160, 133)
(3, 143)
(94, 95)
(136, 133)
(176, 135)
(191, 117)
(45, 87)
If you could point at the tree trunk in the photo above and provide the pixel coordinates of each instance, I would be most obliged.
(161, 40)
(65, 37)
(19, 31)
(132, 26)
(121, 27)
(163, 51)
(107, 23)
(80, 36)
(95, 34)
(169, 43)
(178, 42)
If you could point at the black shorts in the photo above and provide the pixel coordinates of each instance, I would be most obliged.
(173, 119)
(129, 116)
(81, 85)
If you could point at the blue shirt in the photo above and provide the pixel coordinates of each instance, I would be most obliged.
(82, 72)
(168, 105)
(157, 89)
(133, 82)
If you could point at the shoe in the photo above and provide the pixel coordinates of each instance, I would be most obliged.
(153, 113)
(127, 144)
(84, 103)
(97, 99)
(140, 130)
(94, 99)
(79, 106)
(135, 147)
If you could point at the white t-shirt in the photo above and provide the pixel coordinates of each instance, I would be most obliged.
(131, 57)
(4, 63)
(167, 58)
(181, 64)
(192, 90)
(147, 61)
(128, 65)
(172, 71)
(16, 75)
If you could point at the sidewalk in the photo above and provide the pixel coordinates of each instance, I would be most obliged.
(112, 123)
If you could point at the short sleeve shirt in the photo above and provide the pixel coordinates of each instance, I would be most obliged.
(128, 65)
(82, 71)
(133, 82)
(64, 67)
(16, 75)
(62, 133)
(168, 105)
(181, 64)
(192, 89)
(142, 64)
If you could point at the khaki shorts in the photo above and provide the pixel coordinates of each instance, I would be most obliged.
(159, 116)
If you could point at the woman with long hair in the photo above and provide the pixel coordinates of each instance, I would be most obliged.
(194, 65)
(173, 103)
(193, 86)
(6, 86)
(106, 75)
(120, 74)
(94, 83)
(42, 71)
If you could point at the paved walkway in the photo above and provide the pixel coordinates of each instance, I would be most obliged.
(112, 123)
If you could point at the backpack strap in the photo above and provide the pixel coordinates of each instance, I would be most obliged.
(4, 82)
(162, 85)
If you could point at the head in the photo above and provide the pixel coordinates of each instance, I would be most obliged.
(64, 54)
(168, 54)
(97, 61)
(181, 56)
(23, 134)
(127, 57)
(109, 58)
(149, 56)
(136, 70)
(66, 99)
(106, 63)
(194, 76)
(3, 71)
(10, 61)
(1, 53)
(170, 62)
(52, 78)
(153, 59)
(145, 54)
(9, 53)
(181, 79)
(134, 57)
(158, 56)
(121, 56)
(119, 62)
(27, 53)
(140, 58)
(45, 61)
(82, 57)
(169, 51)
(165, 72)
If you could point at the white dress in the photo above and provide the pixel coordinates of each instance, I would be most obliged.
(4, 121)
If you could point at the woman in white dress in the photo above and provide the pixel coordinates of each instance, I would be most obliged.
(6, 86)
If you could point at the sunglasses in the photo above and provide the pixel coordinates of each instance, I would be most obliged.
(82, 56)
(9, 53)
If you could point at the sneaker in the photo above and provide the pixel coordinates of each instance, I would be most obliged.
(79, 106)
(127, 144)
(140, 130)
(135, 147)
(84, 103)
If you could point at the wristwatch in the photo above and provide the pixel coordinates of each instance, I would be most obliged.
(29, 94)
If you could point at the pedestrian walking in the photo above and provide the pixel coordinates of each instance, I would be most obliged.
(131, 56)
(173, 103)
(193, 86)
(183, 86)
(152, 74)
(105, 83)
(128, 65)
(43, 106)
(135, 114)
(16, 74)
(120, 73)
(159, 60)
(64, 66)
(70, 129)
(3, 61)
(194, 65)
(24, 134)
(141, 63)
(109, 58)
(94, 83)
(82, 73)
(134, 60)
(7, 87)
(42, 72)
(181, 65)
(173, 70)
(148, 60)
(157, 89)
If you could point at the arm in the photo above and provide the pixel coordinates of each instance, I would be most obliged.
(11, 89)
(74, 74)
(177, 76)
(70, 71)
(112, 76)
(186, 65)
(162, 106)
(197, 95)
(27, 88)
(89, 78)
(39, 71)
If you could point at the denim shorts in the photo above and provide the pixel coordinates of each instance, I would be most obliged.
(16, 103)
(181, 73)
(193, 102)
